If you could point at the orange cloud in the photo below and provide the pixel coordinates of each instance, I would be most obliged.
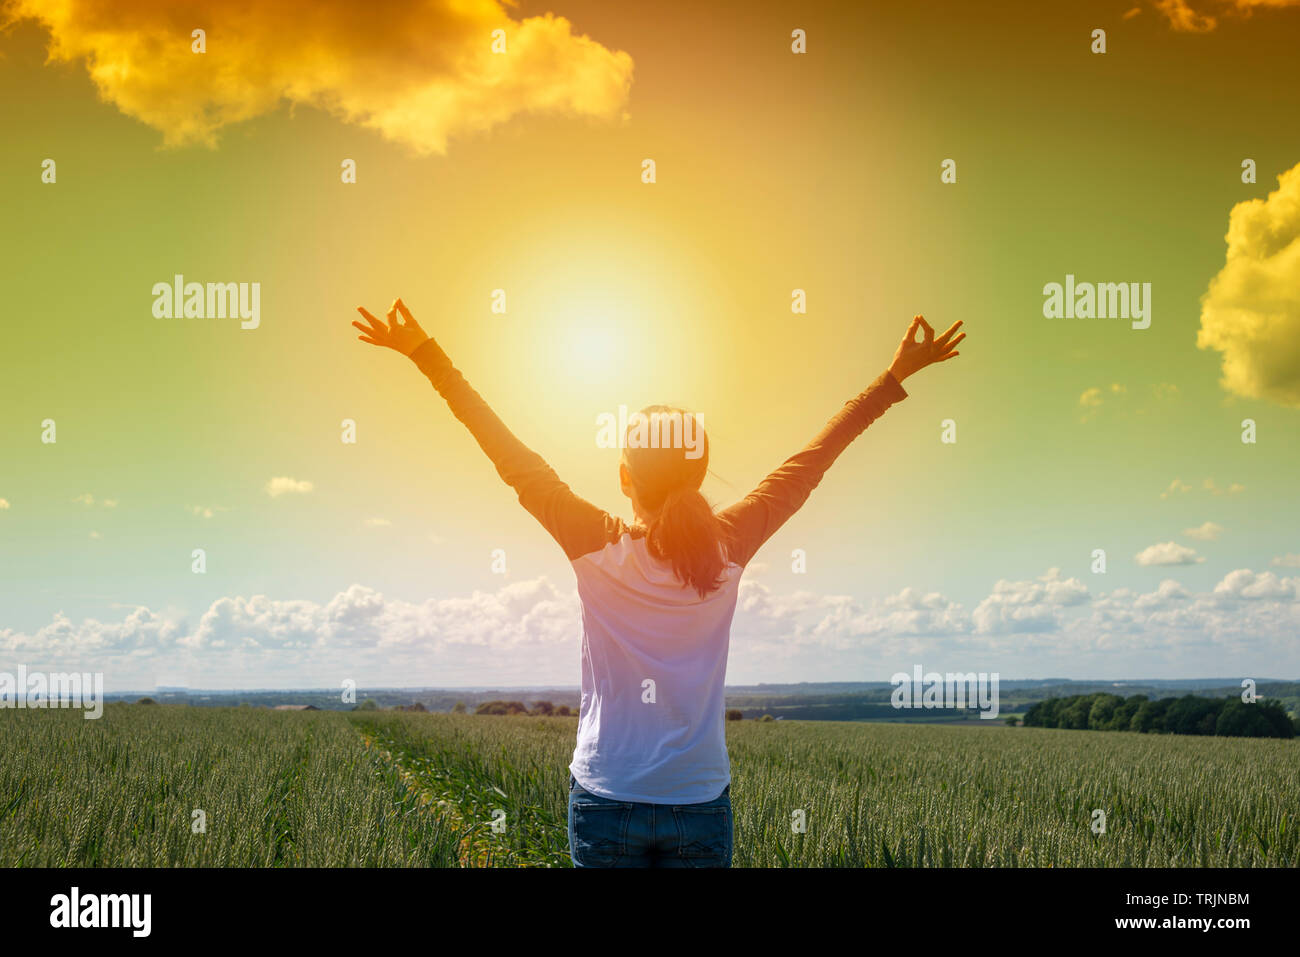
(1184, 17)
(419, 73)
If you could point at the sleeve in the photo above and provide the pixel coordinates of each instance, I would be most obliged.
(756, 518)
(578, 526)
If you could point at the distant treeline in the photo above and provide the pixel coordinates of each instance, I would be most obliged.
(1190, 714)
(543, 709)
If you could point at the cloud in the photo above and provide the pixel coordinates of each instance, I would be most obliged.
(4, 504)
(1117, 399)
(1251, 311)
(1233, 489)
(141, 632)
(524, 632)
(1168, 594)
(1205, 532)
(283, 485)
(1185, 17)
(1094, 396)
(517, 616)
(1244, 583)
(417, 73)
(1028, 606)
(1179, 487)
(87, 499)
(528, 633)
(1168, 553)
(1092, 399)
(1289, 560)
(378, 522)
(207, 511)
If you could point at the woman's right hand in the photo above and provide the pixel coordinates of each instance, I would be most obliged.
(404, 337)
(913, 356)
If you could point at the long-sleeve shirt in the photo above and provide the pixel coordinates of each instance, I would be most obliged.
(651, 725)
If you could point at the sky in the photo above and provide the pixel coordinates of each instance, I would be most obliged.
(515, 161)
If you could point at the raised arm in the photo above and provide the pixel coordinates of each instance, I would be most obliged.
(576, 524)
(756, 518)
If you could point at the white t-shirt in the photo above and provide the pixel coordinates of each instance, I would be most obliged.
(654, 662)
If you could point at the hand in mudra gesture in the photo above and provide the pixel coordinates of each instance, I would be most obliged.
(402, 333)
(913, 356)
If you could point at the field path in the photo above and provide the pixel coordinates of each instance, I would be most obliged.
(435, 789)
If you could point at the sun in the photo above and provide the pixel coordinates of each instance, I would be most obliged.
(590, 343)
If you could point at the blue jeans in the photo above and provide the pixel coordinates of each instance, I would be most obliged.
(605, 833)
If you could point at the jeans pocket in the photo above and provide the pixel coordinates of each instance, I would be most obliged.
(598, 831)
(704, 834)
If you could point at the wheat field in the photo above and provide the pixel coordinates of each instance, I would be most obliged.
(158, 786)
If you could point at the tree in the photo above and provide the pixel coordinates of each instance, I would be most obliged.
(1277, 716)
(1012, 721)
(1123, 716)
(543, 708)
(368, 705)
(1191, 714)
(458, 708)
(146, 701)
(1264, 719)
(1075, 713)
(562, 711)
(734, 715)
(1042, 714)
(1241, 720)
(1103, 710)
(1150, 717)
(767, 717)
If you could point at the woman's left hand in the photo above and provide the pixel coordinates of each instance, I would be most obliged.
(404, 337)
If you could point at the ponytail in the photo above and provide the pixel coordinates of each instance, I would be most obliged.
(667, 479)
(687, 533)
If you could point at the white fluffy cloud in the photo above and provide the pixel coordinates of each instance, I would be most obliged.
(1205, 532)
(284, 485)
(1244, 583)
(527, 633)
(1168, 553)
(1025, 606)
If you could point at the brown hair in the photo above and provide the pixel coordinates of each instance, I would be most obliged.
(683, 530)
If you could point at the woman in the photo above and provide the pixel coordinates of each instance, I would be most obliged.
(650, 782)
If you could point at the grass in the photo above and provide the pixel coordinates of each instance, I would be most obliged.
(412, 790)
